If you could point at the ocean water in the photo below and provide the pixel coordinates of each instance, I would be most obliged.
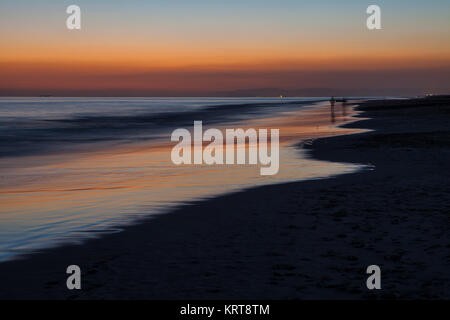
(74, 168)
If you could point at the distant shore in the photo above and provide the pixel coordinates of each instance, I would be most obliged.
(300, 240)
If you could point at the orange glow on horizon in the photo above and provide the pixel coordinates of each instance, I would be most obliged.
(107, 65)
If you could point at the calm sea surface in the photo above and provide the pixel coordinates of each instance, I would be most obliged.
(73, 168)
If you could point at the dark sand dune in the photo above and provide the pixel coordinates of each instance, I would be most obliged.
(304, 240)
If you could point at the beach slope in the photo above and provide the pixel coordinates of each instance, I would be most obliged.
(302, 240)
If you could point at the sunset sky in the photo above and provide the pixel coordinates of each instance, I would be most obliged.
(234, 47)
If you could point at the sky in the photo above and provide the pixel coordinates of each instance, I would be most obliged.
(224, 48)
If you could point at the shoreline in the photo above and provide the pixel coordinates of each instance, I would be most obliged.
(101, 190)
(311, 239)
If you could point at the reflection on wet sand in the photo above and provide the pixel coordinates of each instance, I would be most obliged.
(334, 117)
(51, 197)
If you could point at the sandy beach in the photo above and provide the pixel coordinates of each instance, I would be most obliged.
(301, 240)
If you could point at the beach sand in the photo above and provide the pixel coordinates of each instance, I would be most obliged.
(300, 240)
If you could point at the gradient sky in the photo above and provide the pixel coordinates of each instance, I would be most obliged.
(245, 47)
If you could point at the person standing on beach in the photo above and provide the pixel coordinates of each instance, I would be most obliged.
(332, 101)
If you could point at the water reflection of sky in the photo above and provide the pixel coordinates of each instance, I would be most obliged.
(46, 199)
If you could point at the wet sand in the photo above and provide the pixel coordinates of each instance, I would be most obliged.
(300, 240)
